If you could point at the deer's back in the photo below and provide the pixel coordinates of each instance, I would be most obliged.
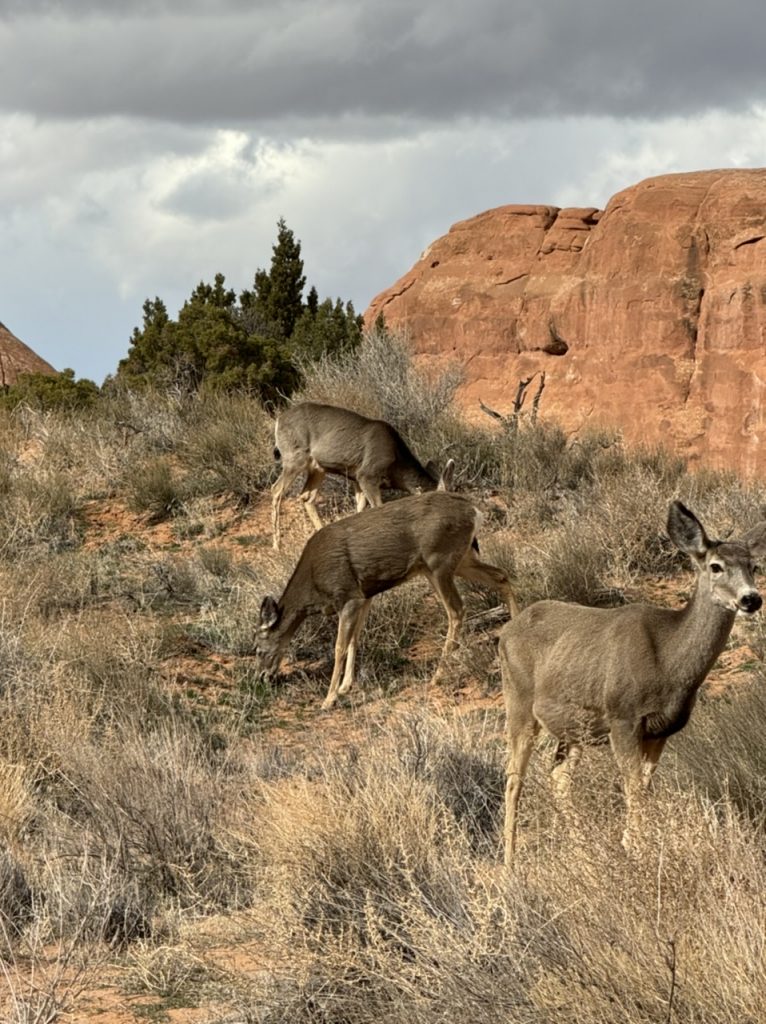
(339, 440)
(379, 548)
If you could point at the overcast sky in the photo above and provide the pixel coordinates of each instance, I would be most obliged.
(146, 145)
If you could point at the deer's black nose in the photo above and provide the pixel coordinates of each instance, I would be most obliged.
(750, 602)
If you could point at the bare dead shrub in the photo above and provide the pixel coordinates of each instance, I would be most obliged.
(228, 446)
(150, 421)
(16, 900)
(155, 487)
(38, 515)
(153, 803)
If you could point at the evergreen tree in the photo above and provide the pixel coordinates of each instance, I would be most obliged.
(312, 301)
(257, 342)
(333, 329)
(276, 302)
(152, 348)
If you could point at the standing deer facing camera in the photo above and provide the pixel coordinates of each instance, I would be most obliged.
(346, 563)
(630, 674)
(318, 439)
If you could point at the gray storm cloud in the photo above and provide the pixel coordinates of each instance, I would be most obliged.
(238, 63)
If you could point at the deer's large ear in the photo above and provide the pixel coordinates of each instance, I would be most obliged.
(755, 539)
(445, 480)
(686, 531)
(269, 615)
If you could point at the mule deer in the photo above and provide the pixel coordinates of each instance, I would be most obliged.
(318, 439)
(346, 563)
(630, 674)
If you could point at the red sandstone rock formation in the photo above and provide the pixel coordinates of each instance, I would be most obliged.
(649, 317)
(16, 358)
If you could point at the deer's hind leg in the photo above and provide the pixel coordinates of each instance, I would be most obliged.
(309, 493)
(290, 472)
(443, 583)
(471, 568)
(521, 741)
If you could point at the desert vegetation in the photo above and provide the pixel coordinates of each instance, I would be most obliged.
(180, 840)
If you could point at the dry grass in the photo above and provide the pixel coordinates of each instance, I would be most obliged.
(383, 899)
(149, 783)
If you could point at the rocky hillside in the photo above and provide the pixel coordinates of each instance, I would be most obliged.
(649, 316)
(16, 358)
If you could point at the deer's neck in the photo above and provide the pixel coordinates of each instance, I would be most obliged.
(298, 601)
(292, 616)
(703, 627)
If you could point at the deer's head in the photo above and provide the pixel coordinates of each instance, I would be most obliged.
(727, 568)
(269, 640)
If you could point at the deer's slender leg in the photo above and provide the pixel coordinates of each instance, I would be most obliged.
(347, 623)
(651, 750)
(370, 487)
(286, 477)
(309, 495)
(348, 675)
(361, 500)
(473, 569)
(565, 762)
(626, 744)
(521, 740)
(444, 585)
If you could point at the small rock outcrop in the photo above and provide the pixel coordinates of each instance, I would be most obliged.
(16, 358)
(649, 316)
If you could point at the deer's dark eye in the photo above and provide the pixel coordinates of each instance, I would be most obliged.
(715, 567)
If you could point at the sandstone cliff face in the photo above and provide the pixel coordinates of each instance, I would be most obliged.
(649, 317)
(16, 358)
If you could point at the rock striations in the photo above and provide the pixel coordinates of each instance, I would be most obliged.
(16, 358)
(649, 316)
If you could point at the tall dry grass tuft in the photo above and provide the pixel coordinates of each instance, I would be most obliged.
(228, 447)
(382, 905)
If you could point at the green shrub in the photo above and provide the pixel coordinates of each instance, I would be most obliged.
(50, 391)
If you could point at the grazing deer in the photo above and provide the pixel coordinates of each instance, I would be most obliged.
(346, 563)
(318, 439)
(630, 674)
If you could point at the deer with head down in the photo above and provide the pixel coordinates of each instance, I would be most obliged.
(317, 439)
(628, 674)
(346, 563)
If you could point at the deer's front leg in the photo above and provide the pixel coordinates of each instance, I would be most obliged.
(625, 739)
(348, 675)
(347, 624)
(309, 495)
(651, 750)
